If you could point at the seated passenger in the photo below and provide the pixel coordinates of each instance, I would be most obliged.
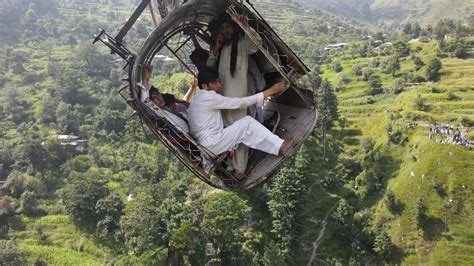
(145, 85)
(168, 111)
(206, 123)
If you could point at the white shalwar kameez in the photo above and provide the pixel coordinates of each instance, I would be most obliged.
(235, 86)
(207, 127)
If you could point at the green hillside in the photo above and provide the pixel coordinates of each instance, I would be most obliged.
(391, 12)
(437, 173)
(368, 187)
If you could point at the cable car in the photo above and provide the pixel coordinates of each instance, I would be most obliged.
(173, 23)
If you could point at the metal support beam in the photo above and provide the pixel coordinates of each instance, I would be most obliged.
(128, 25)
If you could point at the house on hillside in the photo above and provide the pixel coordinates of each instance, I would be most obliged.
(336, 47)
(70, 140)
(6, 207)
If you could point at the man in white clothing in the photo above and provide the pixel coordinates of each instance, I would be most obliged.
(207, 127)
(230, 54)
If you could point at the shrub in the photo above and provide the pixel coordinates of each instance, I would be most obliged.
(418, 62)
(452, 97)
(383, 245)
(336, 66)
(465, 121)
(432, 69)
(420, 217)
(375, 84)
(420, 104)
(366, 73)
(397, 88)
(357, 69)
(10, 253)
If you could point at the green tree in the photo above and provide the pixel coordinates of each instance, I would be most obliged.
(420, 104)
(109, 210)
(392, 65)
(80, 196)
(287, 197)
(18, 182)
(391, 201)
(366, 73)
(419, 213)
(30, 153)
(224, 216)
(28, 201)
(336, 66)
(327, 108)
(375, 85)
(357, 69)
(11, 254)
(383, 245)
(401, 48)
(342, 220)
(418, 62)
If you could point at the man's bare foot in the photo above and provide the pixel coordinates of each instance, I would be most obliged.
(286, 145)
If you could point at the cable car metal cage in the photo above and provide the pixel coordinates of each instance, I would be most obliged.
(296, 104)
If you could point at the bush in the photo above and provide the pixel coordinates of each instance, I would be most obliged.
(11, 254)
(420, 217)
(452, 97)
(357, 69)
(420, 104)
(418, 62)
(366, 73)
(397, 88)
(465, 121)
(336, 67)
(370, 100)
(375, 84)
(432, 69)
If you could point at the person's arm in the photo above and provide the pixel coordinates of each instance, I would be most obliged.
(214, 52)
(252, 48)
(190, 93)
(221, 102)
(182, 102)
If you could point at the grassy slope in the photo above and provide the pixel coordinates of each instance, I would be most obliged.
(54, 239)
(449, 165)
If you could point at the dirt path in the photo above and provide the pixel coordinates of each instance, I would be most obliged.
(320, 236)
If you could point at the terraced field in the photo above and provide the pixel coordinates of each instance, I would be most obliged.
(440, 174)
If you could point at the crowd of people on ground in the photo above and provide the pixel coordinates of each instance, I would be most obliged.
(448, 134)
(226, 114)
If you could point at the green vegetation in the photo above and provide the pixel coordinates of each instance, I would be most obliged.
(368, 185)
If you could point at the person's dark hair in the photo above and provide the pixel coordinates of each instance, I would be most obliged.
(169, 99)
(199, 57)
(207, 75)
(154, 91)
(215, 25)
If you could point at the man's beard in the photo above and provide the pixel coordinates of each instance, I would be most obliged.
(226, 41)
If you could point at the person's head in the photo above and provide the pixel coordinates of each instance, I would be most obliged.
(147, 72)
(156, 97)
(224, 26)
(208, 79)
(199, 57)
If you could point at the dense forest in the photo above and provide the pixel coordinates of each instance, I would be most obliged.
(379, 181)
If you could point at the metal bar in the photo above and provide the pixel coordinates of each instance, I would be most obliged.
(180, 60)
(233, 13)
(128, 25)
(183, 44)
(154, 14)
